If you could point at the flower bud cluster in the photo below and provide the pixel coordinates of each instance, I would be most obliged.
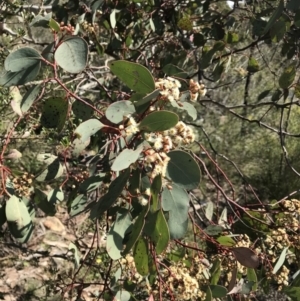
(156, 159)
(196, 89)
(243, 240)
(282, 278)
(290, 222)
(179, 135)
(184, 282)
(169, 88)
(128, 265)
(276, 241)
(23, 184)
(292, 205)
(130, 129)
(155, 163)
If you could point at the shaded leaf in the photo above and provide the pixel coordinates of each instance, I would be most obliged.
(78, 205)
(81, 110)
(114, 190)
(183, 170)
(287, 77)
(76, 253)
(218, 291)
(177, 229)
(275, 16)
(54, 113)
(137, 77)
(116, 233)
(172, 70)
(90, 184)
(246, 257)
(136, 230)
(53, 170)
(252, 277)
(292, 292)
(18, 219)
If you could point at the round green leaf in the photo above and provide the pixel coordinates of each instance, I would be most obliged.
(54, 113)
(117, 110)
(137, 77)
(159, 121)
(183, 170)
(81, 110)
(72, 54)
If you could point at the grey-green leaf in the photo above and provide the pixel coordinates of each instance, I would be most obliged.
(177, 201)
(126, 158)
(88, 128)
(115, 236)
(183, 170)
(72, 54)
(30, 96)
(280, 260)
(117, 110)
(22, 59)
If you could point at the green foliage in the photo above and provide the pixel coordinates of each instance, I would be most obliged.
(170, 124)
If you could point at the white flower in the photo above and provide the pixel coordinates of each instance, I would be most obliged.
(158, 145)
(143, 201)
